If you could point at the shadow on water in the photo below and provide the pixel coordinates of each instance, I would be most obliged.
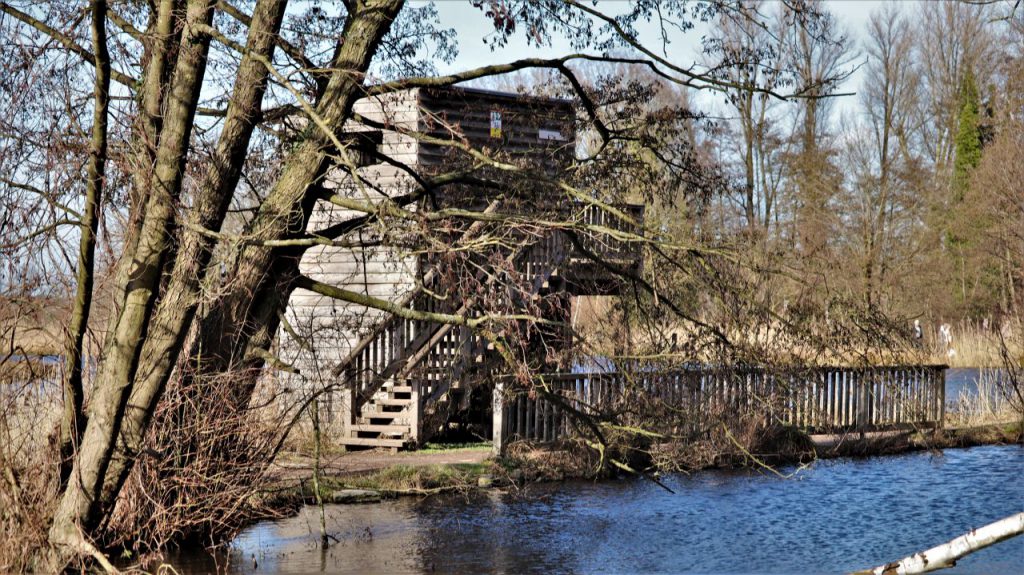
(837, 516)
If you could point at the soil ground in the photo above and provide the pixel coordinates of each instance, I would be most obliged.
(297, 466)
(292, 467)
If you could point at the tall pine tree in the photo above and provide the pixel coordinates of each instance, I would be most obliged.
(968, 138)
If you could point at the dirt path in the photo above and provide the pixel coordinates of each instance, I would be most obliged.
(295, 466)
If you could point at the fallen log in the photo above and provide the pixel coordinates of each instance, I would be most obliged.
(947, 554)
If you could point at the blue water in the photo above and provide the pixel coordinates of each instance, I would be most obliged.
(834, 517)
(966, 379)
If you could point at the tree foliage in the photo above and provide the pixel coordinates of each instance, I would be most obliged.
(968, 138)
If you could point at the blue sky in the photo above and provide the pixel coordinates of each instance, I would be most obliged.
(473, 26)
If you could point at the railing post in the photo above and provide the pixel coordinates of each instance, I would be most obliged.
(352, 390)
(415, 410)
(498, 418)
(942, 396)
(863, 399)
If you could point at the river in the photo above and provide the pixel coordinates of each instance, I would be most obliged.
(832, 517)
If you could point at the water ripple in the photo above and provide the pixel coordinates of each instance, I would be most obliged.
(835, 517)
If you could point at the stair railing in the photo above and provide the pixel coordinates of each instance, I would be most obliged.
(397, 345)
(388, 338)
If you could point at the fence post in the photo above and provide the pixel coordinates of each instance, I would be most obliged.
(942, 397)
(348, 407)
(498, 418)
(864, 399)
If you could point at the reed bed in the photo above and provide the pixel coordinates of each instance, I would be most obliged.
(975, 344)
(30, 405)
(994, 398)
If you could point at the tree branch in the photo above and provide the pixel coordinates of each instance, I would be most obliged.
(946, 555)
(65, 41)
(307, 283)
(704, 81)
(287, 47)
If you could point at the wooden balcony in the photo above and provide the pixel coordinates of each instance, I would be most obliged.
(602, 257)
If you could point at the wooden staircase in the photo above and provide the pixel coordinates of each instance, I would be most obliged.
(387, 422)
(405, 368)
(399, 376)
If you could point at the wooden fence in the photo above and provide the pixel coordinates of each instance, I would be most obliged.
(828, 399)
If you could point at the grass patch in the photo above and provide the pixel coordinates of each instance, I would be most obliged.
(567, 459)
(455, 447)
(997, 433)
(400, 479)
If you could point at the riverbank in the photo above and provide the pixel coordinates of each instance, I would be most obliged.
(835, 516)
(471, 473)
(365, 476)
(894, 442)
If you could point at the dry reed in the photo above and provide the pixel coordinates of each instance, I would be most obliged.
(29, 407)
(974, 344)
(203, 474)
(990, 400)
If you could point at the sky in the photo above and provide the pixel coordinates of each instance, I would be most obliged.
(473, 26)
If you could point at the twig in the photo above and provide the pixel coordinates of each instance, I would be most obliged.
(314, 412)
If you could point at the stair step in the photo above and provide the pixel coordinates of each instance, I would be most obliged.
(376, 428)
(371, 441)
(384, 415)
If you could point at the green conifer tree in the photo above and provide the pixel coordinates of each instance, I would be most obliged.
(968, 139)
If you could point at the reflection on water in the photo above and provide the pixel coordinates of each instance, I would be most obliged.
(834, 517)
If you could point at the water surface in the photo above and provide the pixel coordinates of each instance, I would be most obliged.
(834, 517)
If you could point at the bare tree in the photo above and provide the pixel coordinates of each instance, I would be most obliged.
(885, 176)
(748, 55)
(821, 58)
(73, 421)
(208, 237)
(953, 37)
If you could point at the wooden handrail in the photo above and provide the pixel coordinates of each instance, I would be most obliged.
(822, 398)
(396, 355)
(395, 346)
(405, 301)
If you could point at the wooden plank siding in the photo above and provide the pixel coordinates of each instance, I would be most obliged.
(534, 131)
(331, 328)
(689, 401)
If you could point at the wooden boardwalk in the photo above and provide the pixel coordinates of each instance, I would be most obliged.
(686, 401)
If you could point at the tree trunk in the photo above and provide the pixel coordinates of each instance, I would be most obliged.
(247, 317)
(79, 509)
(161, 55)
(146, 339)
(946, 555)
(747, 111)
(180, 299)
(73, 420)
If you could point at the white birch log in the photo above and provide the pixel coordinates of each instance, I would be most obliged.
(947, 554)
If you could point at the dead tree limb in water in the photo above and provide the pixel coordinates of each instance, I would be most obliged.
(946, 555)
